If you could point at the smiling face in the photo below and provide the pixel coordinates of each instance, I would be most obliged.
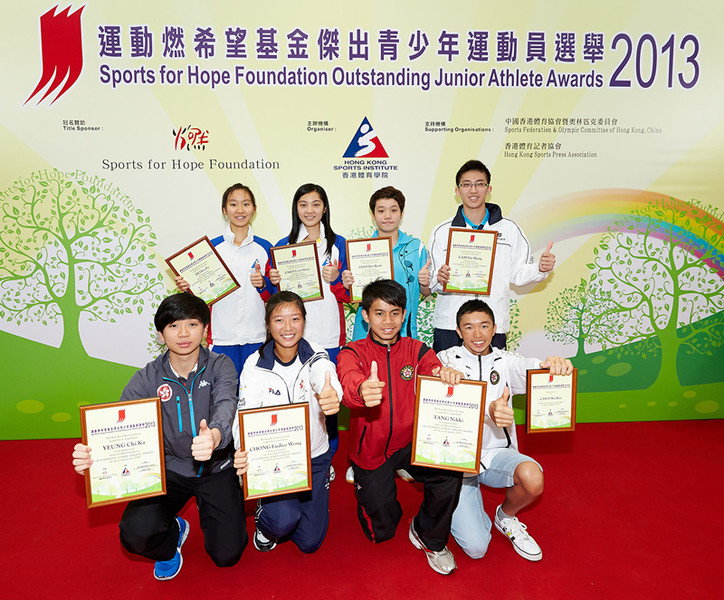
(477, 330)
(310, 208)
(286, 326)
(183, 337)
(473, 189)
(387, 216)
(239, 208)
(385, 321)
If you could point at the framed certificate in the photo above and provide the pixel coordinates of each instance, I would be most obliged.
(470, 256)
(551, 401)
(299, 267)
(208, 276)
(368, 259)
(448, 429)
(126, 441)
(277, 439)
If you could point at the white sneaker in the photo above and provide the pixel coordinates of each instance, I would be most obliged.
(404, 475)
(517, 533)
(332, 474)
(442, 562)
(349, 476)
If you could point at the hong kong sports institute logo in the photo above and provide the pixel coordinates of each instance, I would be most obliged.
(365, 143)
(61, 44)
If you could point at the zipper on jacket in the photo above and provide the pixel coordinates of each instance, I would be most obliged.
(389, 395)
(192, 418)
(361, 438)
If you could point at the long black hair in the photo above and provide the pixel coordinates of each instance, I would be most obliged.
(308, 188)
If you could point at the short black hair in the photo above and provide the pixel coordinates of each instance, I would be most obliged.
(472, 306)
(387, 290)
(388, 192)
(472, 165)
(181, 306)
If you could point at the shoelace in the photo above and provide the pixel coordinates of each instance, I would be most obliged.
(515, 527)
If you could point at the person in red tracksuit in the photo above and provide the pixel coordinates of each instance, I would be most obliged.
(378, 377)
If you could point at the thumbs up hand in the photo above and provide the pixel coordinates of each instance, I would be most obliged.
(500, 411)
(330, 272)
(347, 278)
(257, 279)
(205, 442)
(371, 389)
(424, 275)
(327, 398)
(547, 259)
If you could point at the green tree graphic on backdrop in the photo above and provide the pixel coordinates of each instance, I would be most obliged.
(572, 316)
(653, 271)
(69, 248)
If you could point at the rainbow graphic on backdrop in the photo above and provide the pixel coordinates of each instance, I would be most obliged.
(592, 212)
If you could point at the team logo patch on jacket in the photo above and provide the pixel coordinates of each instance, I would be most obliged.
(407, 372)
(164, 392)
(494, 377)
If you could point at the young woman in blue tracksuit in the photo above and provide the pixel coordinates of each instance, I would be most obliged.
(237, 320)
(288, 369)
(325, 318)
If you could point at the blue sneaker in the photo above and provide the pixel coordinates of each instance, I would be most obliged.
(168, 569)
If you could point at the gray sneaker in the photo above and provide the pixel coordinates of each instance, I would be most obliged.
(522, 541)
(404, 475)
(443, 561)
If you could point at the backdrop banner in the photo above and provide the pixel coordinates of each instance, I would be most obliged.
(602, 125)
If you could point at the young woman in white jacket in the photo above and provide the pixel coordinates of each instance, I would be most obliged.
(288, 369)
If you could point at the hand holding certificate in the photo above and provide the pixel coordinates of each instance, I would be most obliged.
(201, 266)
(126, 441)
(368, 259)
(277, 441)
(470, 256)
(448, 428)
(298, 266)
(551, 401)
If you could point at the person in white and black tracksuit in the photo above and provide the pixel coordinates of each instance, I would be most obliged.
(287, 369)
(198, 396)
(514, 263)
(501, 465)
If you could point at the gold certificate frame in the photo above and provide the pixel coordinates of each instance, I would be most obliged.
(551, 401)
(206, 273)
(277, 438)
(298, 265)
(369, 259)
(126, 441)
(448, 429)
(470, 256)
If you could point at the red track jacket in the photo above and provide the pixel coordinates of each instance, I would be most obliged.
(378, 432)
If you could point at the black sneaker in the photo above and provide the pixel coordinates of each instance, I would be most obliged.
(261, 543)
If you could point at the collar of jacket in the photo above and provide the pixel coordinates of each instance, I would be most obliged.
(374, 341)
(200, 363)
(304, 351)
(229, 236)
(494, 215)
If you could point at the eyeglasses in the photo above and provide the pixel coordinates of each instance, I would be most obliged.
(466, 185)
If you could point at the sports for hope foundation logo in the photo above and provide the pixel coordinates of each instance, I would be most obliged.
(61, 43)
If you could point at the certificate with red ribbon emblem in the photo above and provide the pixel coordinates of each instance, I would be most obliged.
(448, 430)
(551, 401)
(277, 438)
(126, 442)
